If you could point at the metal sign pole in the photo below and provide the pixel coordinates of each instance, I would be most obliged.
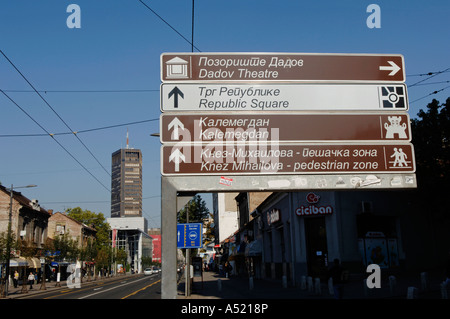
(169, 244)
(187, 273)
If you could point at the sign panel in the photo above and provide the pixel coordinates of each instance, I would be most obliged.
(189, 235)
(282, 97)
(263, 159)
(276, 127)
(222, 67)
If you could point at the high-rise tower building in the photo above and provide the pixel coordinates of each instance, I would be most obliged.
(126, 183)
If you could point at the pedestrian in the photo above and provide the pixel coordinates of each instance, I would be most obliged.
(336, 273)
(16, 278)
(228, 269)
(31, 280)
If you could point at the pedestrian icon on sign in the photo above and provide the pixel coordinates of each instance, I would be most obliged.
(400, 158)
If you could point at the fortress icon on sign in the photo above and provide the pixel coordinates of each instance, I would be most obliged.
(177, 68)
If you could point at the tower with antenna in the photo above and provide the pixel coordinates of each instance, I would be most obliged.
(126, 182)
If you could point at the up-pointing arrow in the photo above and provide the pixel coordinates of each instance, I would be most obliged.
(394, 68)
(176, 124)
(177, 157)
(176, 92)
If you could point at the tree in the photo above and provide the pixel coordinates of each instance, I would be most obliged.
(96, 221)
(209, 233)
(431, 139)
(430, 201)
(197, 210)
(64, 248)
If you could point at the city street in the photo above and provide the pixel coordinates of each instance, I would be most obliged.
(122, 287)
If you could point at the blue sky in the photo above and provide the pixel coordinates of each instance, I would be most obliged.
(116, 54)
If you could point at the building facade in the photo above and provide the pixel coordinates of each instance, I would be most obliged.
(225, 214)
(295, 234)
(29, 221)
(29, 225)
(126, 183)
(61, 224)
(155, 234)
(131, 235)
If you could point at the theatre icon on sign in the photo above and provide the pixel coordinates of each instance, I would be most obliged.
(177, 68)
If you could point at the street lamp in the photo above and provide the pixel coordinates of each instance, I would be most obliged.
(8, 238)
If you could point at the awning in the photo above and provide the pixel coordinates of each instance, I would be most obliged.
(18, 262)
(254, 248)
(34, 262)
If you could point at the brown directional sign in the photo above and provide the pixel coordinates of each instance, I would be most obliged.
(223, 67)
(258, 159)
(297, 127)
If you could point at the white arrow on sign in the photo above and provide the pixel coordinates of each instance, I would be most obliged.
(176, 124)
(177, 157)
(394, 68)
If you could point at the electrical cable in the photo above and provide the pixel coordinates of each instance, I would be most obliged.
(431, 76)
(81, 91)
(49, 134)
(168, 24)
(432, 93)
(80, 132)
(45, 101)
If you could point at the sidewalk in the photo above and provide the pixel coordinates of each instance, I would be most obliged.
(17, 293)
(215, 287)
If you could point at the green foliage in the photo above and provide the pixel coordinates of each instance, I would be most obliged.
(431, 140)
(4, 245)
(197, 210)
(63, 247)
(96, 221)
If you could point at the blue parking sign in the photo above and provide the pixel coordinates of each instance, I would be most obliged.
(189, 235)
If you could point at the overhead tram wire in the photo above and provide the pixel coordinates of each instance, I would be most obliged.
(83, 91)
(432, 75)
(432, 93)
(170, 26)
(45, 101)
(81, 131)
(49, 134)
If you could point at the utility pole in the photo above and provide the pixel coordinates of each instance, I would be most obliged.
(188, 260)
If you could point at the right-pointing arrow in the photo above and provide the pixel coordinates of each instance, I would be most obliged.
(177, 157)
(394, 68)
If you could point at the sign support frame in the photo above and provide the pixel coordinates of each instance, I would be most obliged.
(171, 185)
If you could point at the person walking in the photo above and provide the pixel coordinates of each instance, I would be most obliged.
(31, 280)
(15, 278)
(336, 272)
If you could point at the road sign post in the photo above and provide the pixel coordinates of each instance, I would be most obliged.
(282, 97)
(280, 121)
(291, 127)
(189, 235)
(277, 67)
(290, 159)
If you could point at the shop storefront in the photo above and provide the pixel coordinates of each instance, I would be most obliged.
(301, 233)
